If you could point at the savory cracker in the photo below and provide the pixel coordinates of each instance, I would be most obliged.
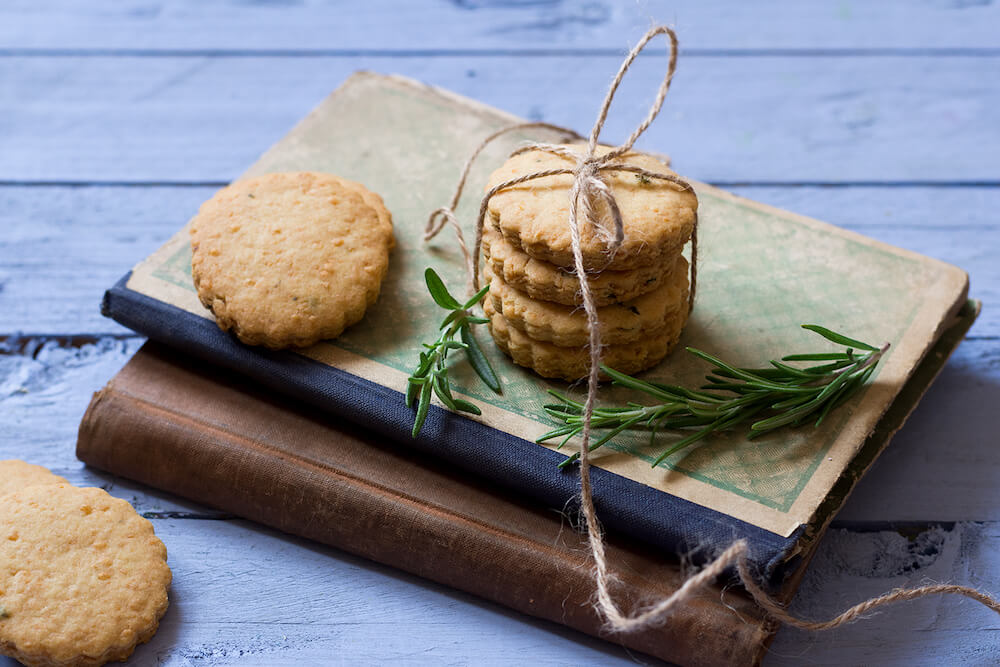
(566, 326)
(289, 259)
(83, 579)
(16, 475)
(548, 282)
(573, 363)
(658, 216)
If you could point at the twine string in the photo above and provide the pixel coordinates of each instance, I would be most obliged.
(587, 189)
(446, 214)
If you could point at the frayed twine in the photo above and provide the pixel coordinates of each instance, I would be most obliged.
(588, 189)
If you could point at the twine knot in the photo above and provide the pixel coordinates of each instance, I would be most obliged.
(589, 188)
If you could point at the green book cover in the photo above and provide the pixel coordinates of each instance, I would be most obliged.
(761, 273)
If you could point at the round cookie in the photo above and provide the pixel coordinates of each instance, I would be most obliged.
(658, 216)
(373, 200)
(573, 363)
(566, 326)
(548, 282)
(83, 579)
(16, 475)
(288, 259)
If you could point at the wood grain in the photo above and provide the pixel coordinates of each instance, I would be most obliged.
(852, 566)
(53, 273)
(478, 25)
(755, 119)
(893, 101)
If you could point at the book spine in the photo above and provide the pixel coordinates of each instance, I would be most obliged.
(521, 465)
(543, 579)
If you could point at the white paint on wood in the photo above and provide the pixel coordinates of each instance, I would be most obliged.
(851, 567)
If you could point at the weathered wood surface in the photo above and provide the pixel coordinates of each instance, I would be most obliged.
(476, 25)
(63, 246)
(118, 118)
(754, 119)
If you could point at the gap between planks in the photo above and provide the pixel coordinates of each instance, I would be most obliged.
(957, 52)
(958, 183)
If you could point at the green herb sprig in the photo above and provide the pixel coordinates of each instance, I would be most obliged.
(431, 374)
(770, 398)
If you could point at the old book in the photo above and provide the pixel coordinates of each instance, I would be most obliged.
(211, 436)
(762, 272)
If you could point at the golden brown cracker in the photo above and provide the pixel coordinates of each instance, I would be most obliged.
(83, 578)
(288, 259)
(658, 216)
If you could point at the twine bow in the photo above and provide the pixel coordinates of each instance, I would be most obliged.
(589, 187)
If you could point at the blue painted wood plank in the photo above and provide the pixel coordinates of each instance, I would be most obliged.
(246, 595)
(488, 24)
(63, 246)
(731, 120)
(851, 567)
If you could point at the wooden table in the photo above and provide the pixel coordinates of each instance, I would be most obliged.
(118, 117)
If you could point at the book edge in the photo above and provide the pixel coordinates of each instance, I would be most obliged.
(90, 453)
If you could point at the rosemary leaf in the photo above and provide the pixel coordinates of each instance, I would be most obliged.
(431, 375)
(780, 396)
(478, 360)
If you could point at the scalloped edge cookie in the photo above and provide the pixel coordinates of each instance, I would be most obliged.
(83, 577)
(573, 363)
(566, 326)
(533, 216)
(15, 475)
(548, 282)
(287, 260)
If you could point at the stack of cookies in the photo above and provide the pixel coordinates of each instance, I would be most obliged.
(641, 290)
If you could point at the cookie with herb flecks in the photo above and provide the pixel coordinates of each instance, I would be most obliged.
(658, 216)
(286, 260)
(566, 326)
(83, 579)
(548, 282)
(573, 363)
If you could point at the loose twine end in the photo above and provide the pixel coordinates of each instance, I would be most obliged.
(589, 188)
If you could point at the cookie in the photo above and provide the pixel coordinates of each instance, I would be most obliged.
(621, 323)
(548, 282)
(573, 363)
(83, 579)
(16, 475)
(287, 260)
(533, 216)
(373, 200)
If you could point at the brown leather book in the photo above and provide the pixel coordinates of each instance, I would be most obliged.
(210, 436)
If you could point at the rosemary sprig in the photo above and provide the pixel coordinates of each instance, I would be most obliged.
(769, 398)
(431, 374)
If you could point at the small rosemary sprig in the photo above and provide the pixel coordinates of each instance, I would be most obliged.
(431, 374)
(782, 395)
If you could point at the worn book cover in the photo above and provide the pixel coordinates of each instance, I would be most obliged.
(761, 273)
(195, 430)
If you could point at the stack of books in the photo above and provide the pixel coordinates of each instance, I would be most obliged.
(316, 442)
